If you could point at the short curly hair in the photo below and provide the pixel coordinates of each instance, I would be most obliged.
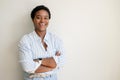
(40, 7)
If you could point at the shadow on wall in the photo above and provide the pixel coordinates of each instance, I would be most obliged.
(21, 26)
(11, 37)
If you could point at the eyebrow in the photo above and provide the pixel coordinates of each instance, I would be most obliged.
(40, 15)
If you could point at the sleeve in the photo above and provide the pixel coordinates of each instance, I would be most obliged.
(25, 56)
(60, 60)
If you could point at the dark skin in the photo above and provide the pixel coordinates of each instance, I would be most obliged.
(47, 64)
(41, 21)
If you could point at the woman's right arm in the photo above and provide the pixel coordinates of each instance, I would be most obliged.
(47, 64)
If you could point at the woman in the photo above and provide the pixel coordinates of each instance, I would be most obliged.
(41, 52)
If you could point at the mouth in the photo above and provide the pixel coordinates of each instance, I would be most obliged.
(42, 24)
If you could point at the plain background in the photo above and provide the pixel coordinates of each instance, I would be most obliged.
(90, 30)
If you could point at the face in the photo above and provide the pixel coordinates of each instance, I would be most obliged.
(41, 20)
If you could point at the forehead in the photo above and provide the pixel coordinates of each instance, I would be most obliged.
(41, 13)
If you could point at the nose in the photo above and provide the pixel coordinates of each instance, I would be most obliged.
(42, 19)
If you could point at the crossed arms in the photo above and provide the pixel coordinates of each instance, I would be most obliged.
(47, 64)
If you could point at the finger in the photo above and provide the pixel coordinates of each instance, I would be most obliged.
(58, 53)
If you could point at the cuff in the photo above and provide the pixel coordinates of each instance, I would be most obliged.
(37, 64)
(56, 59)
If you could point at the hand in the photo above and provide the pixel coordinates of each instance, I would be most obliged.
(58, 53)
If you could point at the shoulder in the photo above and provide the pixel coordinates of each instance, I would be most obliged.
(57, 39)
(26, 38)
(54, 36)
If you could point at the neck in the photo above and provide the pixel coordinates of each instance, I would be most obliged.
(41, 34)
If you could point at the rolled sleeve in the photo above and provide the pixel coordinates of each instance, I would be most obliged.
(25, 56)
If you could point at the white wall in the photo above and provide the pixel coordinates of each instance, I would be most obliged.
(90, 30)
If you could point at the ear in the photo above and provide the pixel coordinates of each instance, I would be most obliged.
(32, 19)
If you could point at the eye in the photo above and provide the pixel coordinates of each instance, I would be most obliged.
(46, 18)
(38, 17)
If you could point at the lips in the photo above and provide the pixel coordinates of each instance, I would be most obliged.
(42, 24)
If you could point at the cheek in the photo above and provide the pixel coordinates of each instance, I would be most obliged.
(36, 20)
(47, 22)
